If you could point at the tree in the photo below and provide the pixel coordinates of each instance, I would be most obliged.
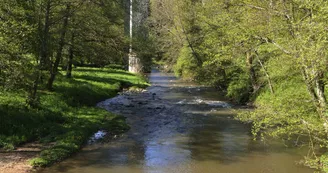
(272, 53)
(40, 36)
(61, 44)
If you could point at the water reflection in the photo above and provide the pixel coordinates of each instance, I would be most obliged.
(184, 136)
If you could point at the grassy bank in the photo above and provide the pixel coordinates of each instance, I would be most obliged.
(67, 117)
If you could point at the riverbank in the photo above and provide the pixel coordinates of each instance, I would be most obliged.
(65, 120)
(177, 126)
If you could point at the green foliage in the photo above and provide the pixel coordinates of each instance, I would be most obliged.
(38, 162)
(115, 66)
(145, 50)
(324, 162)
(16, 58)
(186, 64)
(281, 116)
(240, 89)
(99, 33)
(163, 28)
(38, 36)
(271, 52)
(67, 116)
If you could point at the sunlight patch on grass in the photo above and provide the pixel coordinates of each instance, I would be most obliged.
(68, 115)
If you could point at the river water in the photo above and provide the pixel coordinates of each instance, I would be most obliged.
(179, 127)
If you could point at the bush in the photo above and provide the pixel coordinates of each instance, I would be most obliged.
(240, 89)
(186, 66)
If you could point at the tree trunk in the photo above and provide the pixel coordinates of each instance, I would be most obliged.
(70, 57)
(44, 59)
(315, 88)
(54, 69)
(43, 62)
(320, 90)
(32, 97)
(194, 53)
(266, 74)
(252, 74)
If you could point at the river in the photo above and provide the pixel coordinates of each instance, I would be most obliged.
(180, 127)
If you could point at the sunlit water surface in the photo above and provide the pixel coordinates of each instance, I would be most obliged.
(195, 133)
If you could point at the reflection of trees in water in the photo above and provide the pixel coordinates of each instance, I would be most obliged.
(136, 153)
(122, 153)
(219, 139)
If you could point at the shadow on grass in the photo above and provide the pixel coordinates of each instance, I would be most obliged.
(20, 125)
(67, 116)
(80, 93)
(124, 83)
(105, 80)
(86, 122)
(103, 70)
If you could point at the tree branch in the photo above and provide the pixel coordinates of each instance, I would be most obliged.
(268, 40)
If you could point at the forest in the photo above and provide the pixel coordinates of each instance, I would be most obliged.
(58, 58)
(271, 54)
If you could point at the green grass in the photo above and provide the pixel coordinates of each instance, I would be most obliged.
(67, 116)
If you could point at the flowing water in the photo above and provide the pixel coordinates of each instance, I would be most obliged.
(184, 128)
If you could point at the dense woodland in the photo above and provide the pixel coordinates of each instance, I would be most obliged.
(58, 59)
(272, 53)
(39, 38)
(268, 53)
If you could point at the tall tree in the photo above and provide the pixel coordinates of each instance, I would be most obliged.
(61, 44)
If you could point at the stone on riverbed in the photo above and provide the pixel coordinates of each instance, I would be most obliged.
(118, 100)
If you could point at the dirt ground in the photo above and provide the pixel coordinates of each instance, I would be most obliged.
(16, 161)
